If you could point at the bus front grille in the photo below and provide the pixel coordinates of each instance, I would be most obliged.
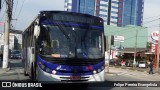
(70, 79)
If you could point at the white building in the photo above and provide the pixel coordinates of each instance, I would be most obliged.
(15, 39)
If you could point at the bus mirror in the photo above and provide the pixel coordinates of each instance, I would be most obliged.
(36, 31)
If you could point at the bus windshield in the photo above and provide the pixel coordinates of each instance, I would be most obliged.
(62, 41)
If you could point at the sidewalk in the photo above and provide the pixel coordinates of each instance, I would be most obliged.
(14, 72)
(141, 75)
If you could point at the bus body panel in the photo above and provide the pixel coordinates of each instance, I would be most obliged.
(44, 76)
(30, 59)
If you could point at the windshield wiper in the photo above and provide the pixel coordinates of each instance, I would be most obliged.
(62, 30)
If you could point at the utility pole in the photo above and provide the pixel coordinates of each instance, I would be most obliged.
(7, 29)
(157, 63)
(108, 23)
(109, 12)
(135, 50)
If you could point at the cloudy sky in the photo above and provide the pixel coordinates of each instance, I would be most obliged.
(26, 10)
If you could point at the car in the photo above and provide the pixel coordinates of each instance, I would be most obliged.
(142, 64)
(15, 54)
(129, 63)
(115, 62)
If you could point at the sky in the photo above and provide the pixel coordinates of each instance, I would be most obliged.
(151, 16)
(24, 11)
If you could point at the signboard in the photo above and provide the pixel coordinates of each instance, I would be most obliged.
(153, 47)
(154, 35)
(119, 38)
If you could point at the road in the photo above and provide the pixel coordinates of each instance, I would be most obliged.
(116, 74)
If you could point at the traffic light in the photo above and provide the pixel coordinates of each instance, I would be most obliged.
(112, 39)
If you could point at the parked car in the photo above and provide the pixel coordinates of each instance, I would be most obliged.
(142, 64)
(112, 62)
(129, 63)
(115, 62)
(15, 54)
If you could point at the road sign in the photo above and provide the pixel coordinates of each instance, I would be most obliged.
(154, 35)
(119, 38)
(153, 47)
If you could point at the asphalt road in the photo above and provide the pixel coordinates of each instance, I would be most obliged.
(111, 79)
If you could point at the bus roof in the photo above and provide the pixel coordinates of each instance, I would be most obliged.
(74, 13)
(62, 12)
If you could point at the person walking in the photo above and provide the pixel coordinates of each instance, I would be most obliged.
(151, 68)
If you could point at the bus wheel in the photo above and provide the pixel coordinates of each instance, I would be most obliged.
(33, 73)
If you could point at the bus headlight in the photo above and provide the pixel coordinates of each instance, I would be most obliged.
(94, 72)
(102, 67)
(42, 66)
(99, 70)
(54, 72)
(48, 70)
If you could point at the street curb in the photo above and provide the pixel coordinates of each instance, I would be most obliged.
(129, 68)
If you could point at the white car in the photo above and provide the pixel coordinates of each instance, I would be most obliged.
(142, 64)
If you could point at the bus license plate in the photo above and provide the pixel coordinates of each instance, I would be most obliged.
(75, 78)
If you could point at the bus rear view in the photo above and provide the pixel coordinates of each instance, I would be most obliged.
(65, 47)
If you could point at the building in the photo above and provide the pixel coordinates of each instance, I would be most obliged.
(130, 12)
(92, 7)
(129, 36)
(123, 12)
(15, 40)
(126, 39)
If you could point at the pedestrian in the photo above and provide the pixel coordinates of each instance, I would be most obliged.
(151, 68)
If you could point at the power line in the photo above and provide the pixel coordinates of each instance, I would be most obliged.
(153, 26)
(2, 5)
(19, 13)
(132, 28)
(151, 17)
(151, 21)
(1, 11)
(15, 8)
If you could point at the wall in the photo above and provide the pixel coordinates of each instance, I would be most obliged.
(129, 33)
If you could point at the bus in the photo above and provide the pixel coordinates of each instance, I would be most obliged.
(64, 47)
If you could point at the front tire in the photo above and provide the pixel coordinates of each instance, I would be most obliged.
(33, 72)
